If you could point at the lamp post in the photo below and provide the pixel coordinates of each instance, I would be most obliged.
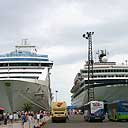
(56, 95)
(88, 36)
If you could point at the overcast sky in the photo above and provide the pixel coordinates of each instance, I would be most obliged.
(56, 28)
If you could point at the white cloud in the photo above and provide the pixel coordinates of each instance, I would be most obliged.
(61, 51)
(64, 79)
(120, 59)
(56, 27)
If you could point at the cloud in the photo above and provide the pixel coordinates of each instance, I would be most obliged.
(64, 85)
(56, 27)
(65, 55)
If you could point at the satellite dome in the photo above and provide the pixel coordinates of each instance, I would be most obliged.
(104, 59)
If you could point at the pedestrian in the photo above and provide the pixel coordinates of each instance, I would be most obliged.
(11, 117)
(31, 120)
(41, 115)
(23, 118)
(5, 119)
(67, 115)
(38, 117)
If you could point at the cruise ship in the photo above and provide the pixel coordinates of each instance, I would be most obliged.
(110, 82)
(25, 79)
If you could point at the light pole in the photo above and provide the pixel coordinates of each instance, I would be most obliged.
(56, 95)
(88, 36)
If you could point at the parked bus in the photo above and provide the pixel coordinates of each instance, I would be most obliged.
(59, 111)
(118, 110)
(94, 110)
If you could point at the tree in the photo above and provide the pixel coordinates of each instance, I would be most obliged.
(27, 107)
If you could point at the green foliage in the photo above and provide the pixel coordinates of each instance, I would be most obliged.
(27, 107)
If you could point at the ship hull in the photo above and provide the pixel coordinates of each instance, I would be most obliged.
(14, 94)
(104, 93)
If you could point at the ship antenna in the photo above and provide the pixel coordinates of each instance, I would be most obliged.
(97, 53)
(24, 41)
(126, 61)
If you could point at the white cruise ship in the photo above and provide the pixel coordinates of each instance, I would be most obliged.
(110, 82)
(25, 79)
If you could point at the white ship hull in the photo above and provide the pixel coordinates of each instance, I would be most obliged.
(15, 93)
(104, 93)
(110, 81)
(25, 79)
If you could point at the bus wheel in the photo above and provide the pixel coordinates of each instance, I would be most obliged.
(85, 119)
(101, 120)
(116, 118)
(89, 119)
(53, 121)
(64, 121)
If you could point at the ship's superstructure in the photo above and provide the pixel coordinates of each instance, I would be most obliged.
(25, 79)
(110, 82)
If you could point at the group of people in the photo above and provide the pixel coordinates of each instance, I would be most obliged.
(10, 117)
(35, 119)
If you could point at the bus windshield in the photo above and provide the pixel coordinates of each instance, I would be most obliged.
(95, 106)
(124, 107)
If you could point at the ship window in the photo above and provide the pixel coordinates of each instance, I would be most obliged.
(35, 64)
(31, 77)
(115, 70)
(119, 70)
(99, 70)
(20, 72)
(46, 64)
(126, 70)
(105, 70)
(23, 64)
(83, 71)
(3, 64)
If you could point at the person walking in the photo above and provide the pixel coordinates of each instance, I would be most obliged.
(23, 118)
(5, 119)
(38, 117)
(11, 117)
